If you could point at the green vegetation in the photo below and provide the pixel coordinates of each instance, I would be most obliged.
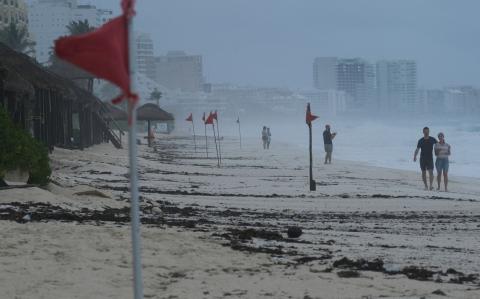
(20, 150)
(79, 27)
(16, 37)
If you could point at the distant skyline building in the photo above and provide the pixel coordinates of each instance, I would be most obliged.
(325, 73)
(48, 20)
(144, 52)
(331, 102)
(462, 100)
(179, 71)
(396, 85)
(13, 11)
(355, 76)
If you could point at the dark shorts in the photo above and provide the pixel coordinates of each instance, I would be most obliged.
(328, 148)
(442, 164)
(426, 163)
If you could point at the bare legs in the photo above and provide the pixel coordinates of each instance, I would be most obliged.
(424, 178)
(439, 179)
(445, 179)
(328, 158)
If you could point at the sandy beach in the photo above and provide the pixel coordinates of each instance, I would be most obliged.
(209, 232)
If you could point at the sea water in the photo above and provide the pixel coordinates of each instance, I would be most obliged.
(390, 144)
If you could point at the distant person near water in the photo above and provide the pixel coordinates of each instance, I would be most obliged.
(426, 144)
(442, 151)
(327, 141)
(264, 137)
(269, 138)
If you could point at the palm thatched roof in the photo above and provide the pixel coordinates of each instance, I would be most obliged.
(23, 74)
(115, 112)
(153, 113)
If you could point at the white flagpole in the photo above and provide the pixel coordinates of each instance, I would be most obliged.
(132, 146)
(239, 132)
(194, 141)
(218, 137)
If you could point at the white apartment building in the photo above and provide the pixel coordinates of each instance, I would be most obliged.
(144, 53)
(48, 20)
(327, 102)
(354, 76)
(13, 11)
(179, 71)
(397, 85)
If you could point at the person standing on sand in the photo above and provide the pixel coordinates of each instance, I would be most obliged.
(264, 137)
(442, 151)
(328, 144)
(269, 138)
(425, 144)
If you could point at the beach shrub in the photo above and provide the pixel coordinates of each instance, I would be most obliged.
(20, 150)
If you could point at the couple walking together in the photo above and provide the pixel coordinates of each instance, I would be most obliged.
(426, 145)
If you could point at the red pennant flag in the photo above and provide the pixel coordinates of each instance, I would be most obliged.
(103, 52)
(309, 116)
(209, 120)
(215, 115)
(190, 117)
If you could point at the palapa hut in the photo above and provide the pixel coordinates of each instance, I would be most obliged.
(152, 113)
(53, 109)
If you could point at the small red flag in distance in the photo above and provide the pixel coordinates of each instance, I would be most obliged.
(190, 117)
(209, 120)
(309, 116)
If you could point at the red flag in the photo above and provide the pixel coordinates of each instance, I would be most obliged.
(103, 52)
(215, 115)
(309, 116)
(190, 117)
(209, 120)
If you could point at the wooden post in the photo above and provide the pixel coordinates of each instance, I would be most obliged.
(313, 185)
(148, 134)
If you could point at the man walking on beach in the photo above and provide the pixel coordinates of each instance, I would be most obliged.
(264, 137)
(425, 144)
(327, 141)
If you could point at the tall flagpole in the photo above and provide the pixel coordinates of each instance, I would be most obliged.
(239, 132)
(215, 138)
(206, 140)
(218, 135)
(194, 141)
(132, 146)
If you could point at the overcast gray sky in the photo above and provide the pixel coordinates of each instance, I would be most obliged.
(273, 42)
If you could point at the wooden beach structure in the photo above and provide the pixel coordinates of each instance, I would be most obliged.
(152, 113)
(54, 109)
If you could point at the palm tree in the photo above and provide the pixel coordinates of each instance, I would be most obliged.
(79, 27)
(16, 37)
(67, 70)
(156, 96)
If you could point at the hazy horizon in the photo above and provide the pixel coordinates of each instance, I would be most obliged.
(273, 43)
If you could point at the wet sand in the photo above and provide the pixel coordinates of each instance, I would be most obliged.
(214, 232)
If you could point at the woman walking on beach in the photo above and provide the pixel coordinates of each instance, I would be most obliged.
(264, 137)
(442, 151)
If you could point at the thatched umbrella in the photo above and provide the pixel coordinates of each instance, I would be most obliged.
(151, 112)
